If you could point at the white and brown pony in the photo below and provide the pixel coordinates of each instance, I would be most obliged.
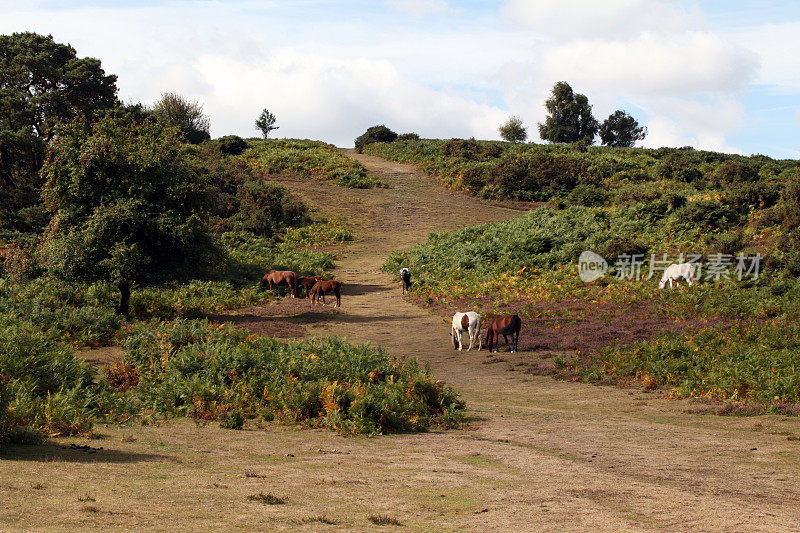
(470, 323)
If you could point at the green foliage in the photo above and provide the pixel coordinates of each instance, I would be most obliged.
(374, 134)
(513, 131)
(621, 130)
(570, 117)
(743, 362)
(309, 160)
(408, 137)
(184, 115)
(79, 313)
(43, 387)
(128, 206)
(266, 123)
(231, 145)
(221, 373)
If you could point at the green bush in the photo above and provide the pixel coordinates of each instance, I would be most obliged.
(43, 387)
(374, 134)
(231, 145)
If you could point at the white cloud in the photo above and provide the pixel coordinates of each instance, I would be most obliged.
(609, 19)
(778, 47)
(335, 100)
(419, 8)
(683, 63)
(680, 122)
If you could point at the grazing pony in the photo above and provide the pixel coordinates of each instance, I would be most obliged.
(469, 322)
(405, 276)
(307, 283)
(504, 325)
(676, 272)
(273, 278)
(321, 287)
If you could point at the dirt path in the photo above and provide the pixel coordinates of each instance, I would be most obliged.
(541, 455)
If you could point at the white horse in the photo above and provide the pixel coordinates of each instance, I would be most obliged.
(469, 322)
(676, 272)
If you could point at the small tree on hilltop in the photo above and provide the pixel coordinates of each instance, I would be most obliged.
(266, 122)
(128, 206)
(513, 130)
(621, 129)
(185, 115)
(570, 117)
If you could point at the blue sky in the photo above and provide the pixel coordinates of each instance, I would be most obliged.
(718, 75)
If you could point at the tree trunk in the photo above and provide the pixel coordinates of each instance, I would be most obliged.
(125, 297)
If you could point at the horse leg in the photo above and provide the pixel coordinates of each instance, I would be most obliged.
(338, 299)
(453, 334)
(470, 332)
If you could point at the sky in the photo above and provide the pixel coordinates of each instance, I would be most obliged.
(718, 75)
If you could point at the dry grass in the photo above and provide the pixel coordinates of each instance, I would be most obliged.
(383, 520)
(267, 499)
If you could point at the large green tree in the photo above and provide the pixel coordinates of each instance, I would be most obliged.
(621, 129)
(128, 206)
(570, 117)
(43, 83)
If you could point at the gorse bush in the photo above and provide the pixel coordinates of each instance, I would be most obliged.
(213, 372)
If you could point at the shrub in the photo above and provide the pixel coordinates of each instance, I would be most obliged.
(374, 134)
(408, 137)
(231, 145)
(588, 195)
(468, 149)
(736, 171)
(43, 387)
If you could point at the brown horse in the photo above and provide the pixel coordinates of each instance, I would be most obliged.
(505, 326)
(321, 287)
(273, 278)
(308, 283)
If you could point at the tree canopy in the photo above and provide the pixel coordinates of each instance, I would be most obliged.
(127, 205)
(513, 130)
(570, 117)
(185, 115)
(43, 83)
(621, 129)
